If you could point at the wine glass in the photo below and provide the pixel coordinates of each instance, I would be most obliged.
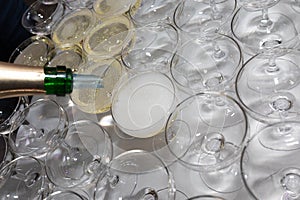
(108, 8)
(108, 38)
(145, 11)
(258, 29)
(201, 17)
(272, 173)
(9, 107)
(207, 132)
(212, 65)
(34, 51)
(37, 128)
(81, 157)
(96, 101)
(73, 26)
(153, 46)
(141, 103)
(40, 17)
(22, 178)
(68, 55)
(267, 86)
(134, 175)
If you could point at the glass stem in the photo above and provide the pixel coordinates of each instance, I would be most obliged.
(218, 53)
(272, 67)
(265, 22)
(215, 13)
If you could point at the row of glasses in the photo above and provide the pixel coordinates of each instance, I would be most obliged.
(79, 157)
(267, 86)
(43, 145)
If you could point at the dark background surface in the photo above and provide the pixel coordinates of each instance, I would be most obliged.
(12, 32)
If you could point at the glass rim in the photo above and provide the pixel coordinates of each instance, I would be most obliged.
(122, 19)
(189, 32)
(86, 122)
(53, 194)
(224, 163)
(219, 35)
(245, 148)
(15, 124)
(257, 115)
(130, 76)
(38, 3)
(152, 25)
(259, 50)
(66, 17)
(27, 42)
(7, 122)
(212, 197)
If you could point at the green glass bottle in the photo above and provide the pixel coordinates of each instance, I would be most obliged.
(58, 80)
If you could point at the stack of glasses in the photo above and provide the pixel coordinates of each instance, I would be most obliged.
(200, 101)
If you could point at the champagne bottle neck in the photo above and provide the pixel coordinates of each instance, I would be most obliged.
(58, 80)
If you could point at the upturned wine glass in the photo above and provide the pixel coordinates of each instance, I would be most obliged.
(145, 11)
(135, 175)
(198, 18)
(212, 65)
(152, 48)
(22, 178)
(141, 103)
(267, 86)
(273, 173)
(81, 157)
(36, 129)
(258, 29)
(207, 132)
(41, 15)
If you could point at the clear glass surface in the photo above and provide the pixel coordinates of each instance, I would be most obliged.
(206, 197)
(67, 194)
(9, 107)
(268, 85)
(73, 26)
(37, 128)
(34, 51)
(254, 5)
(152, 48)
(22, 178)
(78, 4)
(273, 173)
(212, 65)
(201, 17)
(264, 30)
(81, 157)
(296, 6)
(4, 151)
(206, 132)
(108, 38)
(98, 100)
(69, 55)
(135, 175)
(40, 17)
(149, 11)
(141, 103)
(108, 8)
